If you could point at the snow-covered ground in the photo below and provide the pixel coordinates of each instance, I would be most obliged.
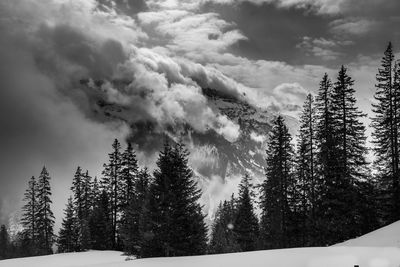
(377, 249)
(388, 236)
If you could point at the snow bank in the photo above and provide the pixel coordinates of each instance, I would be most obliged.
(77, 259)
(388, 236)
(300, 257)
(380, 248)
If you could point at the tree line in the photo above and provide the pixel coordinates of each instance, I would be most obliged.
(322, 190)
(318, 190)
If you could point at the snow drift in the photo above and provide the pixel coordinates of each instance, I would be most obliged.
(380, 248)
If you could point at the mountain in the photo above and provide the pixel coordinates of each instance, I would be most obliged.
(212, 156)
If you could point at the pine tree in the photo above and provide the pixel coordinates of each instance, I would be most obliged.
(68, 237)
(86, 211)
(129, 172)
(77, 192)
(350, 130)
(350, 135)
(29, 213)
(385, 135)
(135, 215)
(100, 224)
(45, 217)
(278, 189)
(81, 196)
(223, 237)
(307, 182)
(328, 168)
(95, 191)
(112, 182)
(246, 222)
(4, 243)
(176, 221)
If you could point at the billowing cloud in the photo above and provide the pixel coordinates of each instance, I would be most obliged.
(353, 26)
(62, 61)
(326, 49)
(318, 6)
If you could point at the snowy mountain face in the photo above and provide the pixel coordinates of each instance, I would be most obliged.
(218, 162)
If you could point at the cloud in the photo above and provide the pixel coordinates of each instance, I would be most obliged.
(257, 137)
(325, 49)
(263, 84)
(193, 35)
(317, 6)
(290, 97)
(40, 126)
(352, 26)
(49, 117)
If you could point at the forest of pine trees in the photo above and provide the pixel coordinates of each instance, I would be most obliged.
(319, 189)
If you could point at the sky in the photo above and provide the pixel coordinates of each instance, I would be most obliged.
(53, 54)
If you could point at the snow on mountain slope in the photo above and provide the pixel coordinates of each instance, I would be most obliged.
(388, 236)
(300, 257)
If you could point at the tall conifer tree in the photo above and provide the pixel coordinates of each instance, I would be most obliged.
(112, 183)
(68, 237)
(278, 189)
(4, 243)
(29, 212)
(246, 222)
(135, 215)
(223, 237)
(385, 124)
(45, 217)
(176, 221)
(307, 181)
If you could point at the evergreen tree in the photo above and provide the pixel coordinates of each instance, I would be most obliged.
(176, 221)
(350, 130)
(29, 213)
(278, 189)
(95, 192)
(4, 243)
(246, 222)
(223, 237)
(77, 192)
(45, 217)
(68, 237)
(81, 190)
(385, 135)
(135, 215)
(129, 172)
(328, 169)
(307, 182)
(350, 136)
(100, 224)
(86, 211)
(112, 182)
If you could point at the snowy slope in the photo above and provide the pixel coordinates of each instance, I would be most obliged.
(301, 257)
(388, 236)
(380, 248)
(78, 259)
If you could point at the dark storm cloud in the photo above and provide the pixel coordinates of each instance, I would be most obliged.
(272, 33)
(276, 30)
(39, 126)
